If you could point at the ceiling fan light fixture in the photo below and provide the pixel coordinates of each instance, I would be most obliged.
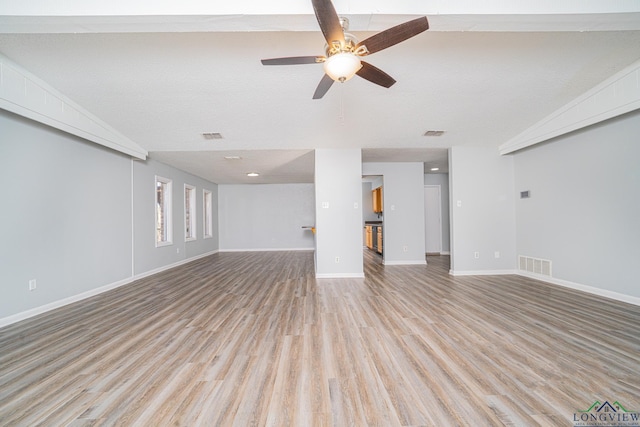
(342, 66)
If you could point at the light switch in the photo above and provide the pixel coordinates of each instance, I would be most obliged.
(325, 205)
(459, 203)
(355, 205)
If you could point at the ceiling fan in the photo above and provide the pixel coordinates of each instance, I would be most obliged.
(343, 51)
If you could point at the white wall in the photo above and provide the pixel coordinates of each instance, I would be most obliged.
(338, 204)
(442, 179)
(584, 210)
(69, 219)
(483, 183)
(403, 207)
(266, 217)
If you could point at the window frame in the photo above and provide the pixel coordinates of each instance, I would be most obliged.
(165, 212)
(190, 215)
(207, 214)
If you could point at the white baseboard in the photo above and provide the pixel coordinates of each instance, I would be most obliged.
(416, 262)
(267, 250)
(584, 288)
(340, 276)
(445, 253)
(14, 318)
(482, 272)
(170, 266)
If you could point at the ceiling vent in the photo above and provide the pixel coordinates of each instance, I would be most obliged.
(212, 135)
(434, 133)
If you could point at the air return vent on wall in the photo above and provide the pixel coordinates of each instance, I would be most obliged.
(212, 135)
(534, 265)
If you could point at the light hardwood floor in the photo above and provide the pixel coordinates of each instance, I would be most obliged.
(253, 339)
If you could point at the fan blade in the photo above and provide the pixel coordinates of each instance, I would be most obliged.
(375, 75)
(323, 87)
(395, 35)
(293, 60)
(329, 21)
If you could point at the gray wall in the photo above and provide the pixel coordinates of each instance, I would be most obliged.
(367, 203)
(66, 215)
(266, 217)
(483, 182)
(442, 179)
(70, 209)
(338, 205)
(584, 209)
(147, 256)
(403, 201)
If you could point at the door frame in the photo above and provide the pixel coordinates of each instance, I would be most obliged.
(439, 199)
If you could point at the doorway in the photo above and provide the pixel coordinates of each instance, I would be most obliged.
(372, 215)
(432, 219)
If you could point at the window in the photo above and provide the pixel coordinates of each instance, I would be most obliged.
(189, 212)
(207, 215)
(164, 230)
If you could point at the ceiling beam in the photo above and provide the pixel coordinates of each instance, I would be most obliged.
(615, 96)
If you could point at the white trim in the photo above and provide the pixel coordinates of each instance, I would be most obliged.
(267, 250)
(24, 94)
(133, 222)
(175, 264)
(14, 318)
(169, 211)
(207, 214)
(584, 288)
(192, 211)
(340, 276)
(617, 95)
(482, 272)
(445, 253)
(417, 262)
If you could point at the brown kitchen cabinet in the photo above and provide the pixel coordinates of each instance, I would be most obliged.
(369, 236)
(377, 200)
(379, 237)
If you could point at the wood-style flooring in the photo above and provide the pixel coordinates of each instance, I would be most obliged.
(253, 339)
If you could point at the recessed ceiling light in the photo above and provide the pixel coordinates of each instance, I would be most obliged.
(434, 133)
(435, 169)
(232, 157)
(253, 174)
(212, 135)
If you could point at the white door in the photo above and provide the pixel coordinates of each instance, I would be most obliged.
(432, 219)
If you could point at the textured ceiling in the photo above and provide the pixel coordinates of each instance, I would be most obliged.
(164, 89)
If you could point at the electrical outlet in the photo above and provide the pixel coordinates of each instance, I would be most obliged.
(337, 260)
(496, 254)
(32, 284)
(177, 250)
(405, 249)
(476, 255)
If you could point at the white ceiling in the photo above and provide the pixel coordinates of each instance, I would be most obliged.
(164, 89)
